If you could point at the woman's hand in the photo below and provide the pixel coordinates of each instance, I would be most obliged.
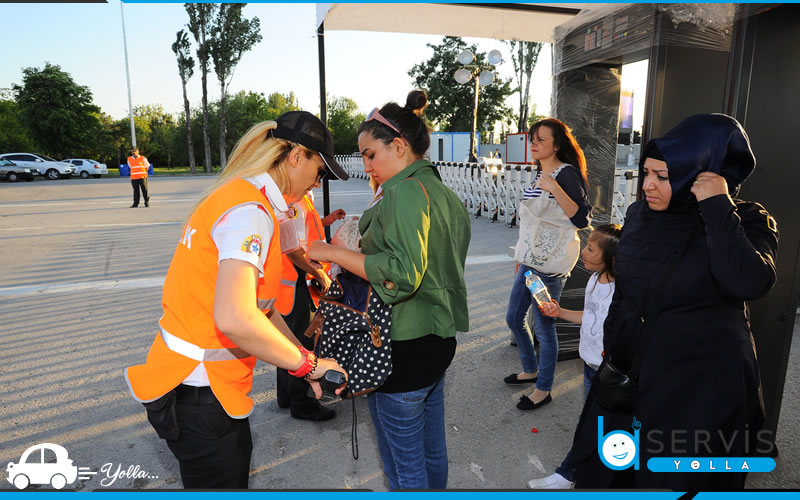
(551, 309)
(323, 365)
(324, 281)
(708, 184)
(333, 217)
(547, 183)
(320, 251)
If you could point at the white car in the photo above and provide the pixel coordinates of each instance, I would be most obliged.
(85, 168)
(44, 463)
(48, 167)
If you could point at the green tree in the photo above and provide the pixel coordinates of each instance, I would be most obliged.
(201, 16)
(14, 135)
(154, 131)
(58, 112)
(231, 36)
(278, 104)
(181, 49)
(524, 55)
(343, 120)
(451, 104)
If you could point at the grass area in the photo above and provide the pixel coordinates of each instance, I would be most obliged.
(158, 171)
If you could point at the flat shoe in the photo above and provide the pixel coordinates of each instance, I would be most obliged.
(513, 380)
(525, 403)
(311, 410)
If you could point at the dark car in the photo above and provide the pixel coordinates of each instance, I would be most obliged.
(13, 172)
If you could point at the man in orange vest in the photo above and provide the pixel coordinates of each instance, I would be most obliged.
(297, 303)
(139, 167)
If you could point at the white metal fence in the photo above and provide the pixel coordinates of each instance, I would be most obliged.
(494, 192)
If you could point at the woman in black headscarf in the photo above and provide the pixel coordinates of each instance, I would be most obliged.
(688, 259)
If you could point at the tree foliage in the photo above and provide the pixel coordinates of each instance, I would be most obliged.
(201, 16)
(451, 104)
(14, 135)
(524, 56)
(181, 47)
(58, 112)
(231, 36)
(343, 120)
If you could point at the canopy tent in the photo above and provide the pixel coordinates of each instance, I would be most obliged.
(534, 22)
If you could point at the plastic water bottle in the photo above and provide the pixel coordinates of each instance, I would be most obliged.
(537, 288)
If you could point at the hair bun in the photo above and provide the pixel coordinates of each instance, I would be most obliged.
(417, 101)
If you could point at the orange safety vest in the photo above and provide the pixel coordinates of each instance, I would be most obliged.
(139, 167)
(188, 334)
(314, 231)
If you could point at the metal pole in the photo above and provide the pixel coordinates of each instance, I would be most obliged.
(472, 156)
(323, 115)
(127, 76)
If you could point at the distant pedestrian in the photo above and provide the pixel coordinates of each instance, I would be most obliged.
(497, 154)
(139, 167)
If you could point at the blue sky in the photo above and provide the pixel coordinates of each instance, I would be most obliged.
(86, 41)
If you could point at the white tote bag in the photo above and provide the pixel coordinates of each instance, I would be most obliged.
(548, 241)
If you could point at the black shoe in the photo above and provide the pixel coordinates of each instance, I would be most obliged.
(525, 403)
(283, 402)
(146, 204)
(310, 409)
(134, 206)
(513, 380)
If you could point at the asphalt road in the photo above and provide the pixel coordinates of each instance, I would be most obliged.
(80, 296)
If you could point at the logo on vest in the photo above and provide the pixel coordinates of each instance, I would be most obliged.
(187, 237)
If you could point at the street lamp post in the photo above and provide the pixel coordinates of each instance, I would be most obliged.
(483, 74)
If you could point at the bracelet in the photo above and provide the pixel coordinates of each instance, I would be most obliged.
(308, 365)
(316, 362)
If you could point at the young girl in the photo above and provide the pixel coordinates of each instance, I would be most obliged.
(598, 256)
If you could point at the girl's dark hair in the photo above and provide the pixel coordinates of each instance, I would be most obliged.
(407, 119)
(569, 151)
(607, 242)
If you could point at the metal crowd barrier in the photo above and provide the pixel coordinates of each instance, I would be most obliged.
(494, 192)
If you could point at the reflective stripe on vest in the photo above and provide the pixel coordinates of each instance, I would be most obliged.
(196, 353)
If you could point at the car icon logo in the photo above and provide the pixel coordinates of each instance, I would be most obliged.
(44, 463)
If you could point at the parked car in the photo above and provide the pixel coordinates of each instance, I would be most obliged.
(50, 168)
(13, 172)
(45, 463)
(85, 168)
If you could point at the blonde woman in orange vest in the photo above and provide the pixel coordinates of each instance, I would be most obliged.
(139, 167)
(219, 302)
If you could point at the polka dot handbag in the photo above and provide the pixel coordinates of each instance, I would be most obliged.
(353, 325)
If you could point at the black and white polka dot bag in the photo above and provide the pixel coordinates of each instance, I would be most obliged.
(353, 326)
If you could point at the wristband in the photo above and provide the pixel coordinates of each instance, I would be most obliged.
(308, 365)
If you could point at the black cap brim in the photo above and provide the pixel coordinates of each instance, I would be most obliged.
(334, 167)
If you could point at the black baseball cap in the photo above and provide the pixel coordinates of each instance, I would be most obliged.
(301, 127)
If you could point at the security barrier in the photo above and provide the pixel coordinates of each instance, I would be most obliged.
(495, 192)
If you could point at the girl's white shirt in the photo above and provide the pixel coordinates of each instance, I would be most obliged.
(595, 309)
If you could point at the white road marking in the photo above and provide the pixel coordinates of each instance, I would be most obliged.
(65, 226)
(96, 201)
(156, 282)
(534, 460)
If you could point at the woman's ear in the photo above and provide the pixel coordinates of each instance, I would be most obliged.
(295, 155)
(399, 146)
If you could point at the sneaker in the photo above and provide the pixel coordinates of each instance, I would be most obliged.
(552, 482)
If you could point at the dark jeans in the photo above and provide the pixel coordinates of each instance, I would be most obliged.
(213, 449)
(292, 391)
(137, 185)
(566, 469)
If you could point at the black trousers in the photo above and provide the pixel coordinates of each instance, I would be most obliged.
(292, 390)
(137, 185)
(213, 449)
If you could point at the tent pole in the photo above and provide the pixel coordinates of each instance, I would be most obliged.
(323, 115)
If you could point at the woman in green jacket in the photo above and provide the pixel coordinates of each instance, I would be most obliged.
(415, 237)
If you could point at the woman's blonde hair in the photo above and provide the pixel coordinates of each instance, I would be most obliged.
(255, 154)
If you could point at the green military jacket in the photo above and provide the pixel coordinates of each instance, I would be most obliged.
(416, 247)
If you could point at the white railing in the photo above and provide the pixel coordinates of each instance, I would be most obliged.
(494, 192)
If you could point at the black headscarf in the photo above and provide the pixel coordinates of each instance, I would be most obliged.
(703, 143)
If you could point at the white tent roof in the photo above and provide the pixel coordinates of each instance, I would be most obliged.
(533, 22)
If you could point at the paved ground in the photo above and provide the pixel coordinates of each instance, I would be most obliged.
(79, 300)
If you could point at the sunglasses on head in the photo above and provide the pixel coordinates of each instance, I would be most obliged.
(376, 115)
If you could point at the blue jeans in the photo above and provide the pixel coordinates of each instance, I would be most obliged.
(411, 436)
(544, 327)
(566, 469)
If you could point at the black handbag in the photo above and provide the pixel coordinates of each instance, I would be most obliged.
(353, 325)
